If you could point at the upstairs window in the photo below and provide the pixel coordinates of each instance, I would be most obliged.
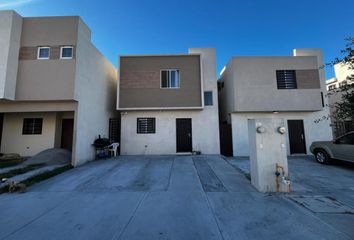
(170, 78)
(208, 98)
(145, 125)
(286, 79)
(32, 126)
(66, 52)
(43, 53)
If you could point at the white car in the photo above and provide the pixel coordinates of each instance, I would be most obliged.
(342, 149)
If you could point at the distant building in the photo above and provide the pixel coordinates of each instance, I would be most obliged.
(342, 72)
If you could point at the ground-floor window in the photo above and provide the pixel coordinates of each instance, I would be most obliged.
(145, 125)
(32, 126)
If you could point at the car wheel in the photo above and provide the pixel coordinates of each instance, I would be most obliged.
(322, 156)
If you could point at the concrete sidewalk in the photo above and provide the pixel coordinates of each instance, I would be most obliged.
(167, 197)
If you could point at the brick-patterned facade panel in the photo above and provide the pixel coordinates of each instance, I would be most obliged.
(54, 52)
(30, 53)
(308, 79)
(140, 79)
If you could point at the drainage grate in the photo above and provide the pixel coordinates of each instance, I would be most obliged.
(322, 204)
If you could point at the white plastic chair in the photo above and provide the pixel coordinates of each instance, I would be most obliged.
(113, 148)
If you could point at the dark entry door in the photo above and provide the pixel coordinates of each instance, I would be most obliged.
(67, 131)
(296, 136)
(184, 134)
(225, 139)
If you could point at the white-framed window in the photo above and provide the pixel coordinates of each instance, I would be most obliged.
(169, 78)
(66, 52)
(43, 52)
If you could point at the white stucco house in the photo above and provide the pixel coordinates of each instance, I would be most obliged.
(168, 103)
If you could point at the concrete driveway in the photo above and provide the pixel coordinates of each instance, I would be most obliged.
(182, 197)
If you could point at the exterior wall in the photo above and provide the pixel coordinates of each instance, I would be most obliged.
(15, 111)
(30, 53)
(10, 32)
(30, 106)
(226, 94)
(342, 72)
(95, 87)
(51, 79)
(204, 135)
(49, 31)
(46, 80)
(205, 128)
(310, 52)
(256, 77)
(27, 145)
(139, 82)
(313, 131)
(308, 79)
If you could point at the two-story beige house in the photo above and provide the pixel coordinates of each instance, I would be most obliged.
(168, 103)
(56, 88)
(288, 87)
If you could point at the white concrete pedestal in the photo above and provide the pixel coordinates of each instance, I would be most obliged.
(267, 150)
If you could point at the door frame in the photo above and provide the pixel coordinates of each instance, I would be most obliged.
(191, 137)
(304, 136)
(62, 132)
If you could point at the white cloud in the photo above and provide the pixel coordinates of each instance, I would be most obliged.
(14, 3)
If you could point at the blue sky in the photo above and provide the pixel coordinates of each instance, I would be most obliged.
(234, 28)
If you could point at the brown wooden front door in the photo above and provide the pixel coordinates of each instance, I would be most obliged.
(67, 131)
(296, 136)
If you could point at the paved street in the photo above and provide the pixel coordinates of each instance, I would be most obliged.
(181, 197)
